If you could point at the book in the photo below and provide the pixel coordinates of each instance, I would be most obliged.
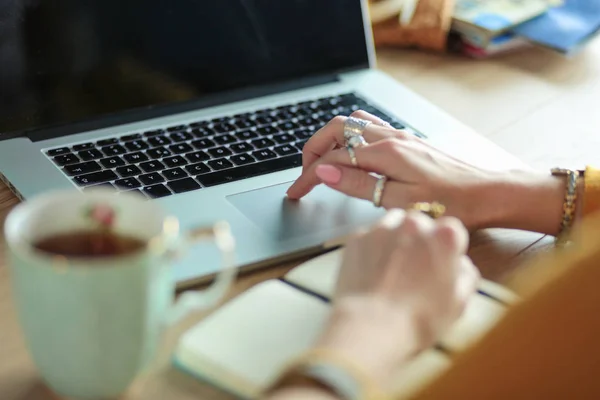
(564, 28)
(504, 43)
(482, 20)
(242, 346)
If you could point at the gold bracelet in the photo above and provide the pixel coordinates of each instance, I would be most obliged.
(569, 204)
(328, 371)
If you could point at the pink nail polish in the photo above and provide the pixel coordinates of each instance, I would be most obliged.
(329, 174)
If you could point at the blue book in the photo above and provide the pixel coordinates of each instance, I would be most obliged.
(564, 28)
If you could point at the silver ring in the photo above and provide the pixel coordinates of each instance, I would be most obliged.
(378, 192)
(354, 127)
(352, 154)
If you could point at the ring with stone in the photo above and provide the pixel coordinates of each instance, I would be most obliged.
(356, 141)
(354, 127)
(378, 192)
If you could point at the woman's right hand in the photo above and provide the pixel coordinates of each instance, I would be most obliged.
(401, 285)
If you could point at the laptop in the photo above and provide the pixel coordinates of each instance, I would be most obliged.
(203, 106)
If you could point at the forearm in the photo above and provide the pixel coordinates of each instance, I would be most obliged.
(524, 200)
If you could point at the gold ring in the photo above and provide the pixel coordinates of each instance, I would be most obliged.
(352, 154)
(434, 210)
(378, 192)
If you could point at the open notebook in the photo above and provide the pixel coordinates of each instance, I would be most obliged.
(243, 345)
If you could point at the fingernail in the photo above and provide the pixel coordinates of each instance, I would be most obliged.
(329, 174)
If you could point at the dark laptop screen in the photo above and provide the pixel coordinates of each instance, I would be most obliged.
(65, 61)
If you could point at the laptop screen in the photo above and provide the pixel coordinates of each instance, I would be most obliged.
(67, 61)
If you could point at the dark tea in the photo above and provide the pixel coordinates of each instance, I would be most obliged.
(89, 244)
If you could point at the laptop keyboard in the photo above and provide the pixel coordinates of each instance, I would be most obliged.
(186, 157)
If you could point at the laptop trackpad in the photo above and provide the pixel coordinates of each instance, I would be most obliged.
(322, 210)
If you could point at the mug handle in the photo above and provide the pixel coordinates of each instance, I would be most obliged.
(191, 301)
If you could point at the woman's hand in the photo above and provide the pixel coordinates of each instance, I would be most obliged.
(419, 172)
(401, 285)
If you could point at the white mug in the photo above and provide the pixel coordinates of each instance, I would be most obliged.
(92, 325)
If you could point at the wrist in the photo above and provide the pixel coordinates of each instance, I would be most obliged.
(373, 333)
(523, 200)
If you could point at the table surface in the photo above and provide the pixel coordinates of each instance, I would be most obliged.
(533, 96)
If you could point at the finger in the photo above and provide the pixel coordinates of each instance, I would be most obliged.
(386, 157)
(332, 136)
(452, 235)
(360, 184)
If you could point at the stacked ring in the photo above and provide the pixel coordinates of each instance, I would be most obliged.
(378, 192)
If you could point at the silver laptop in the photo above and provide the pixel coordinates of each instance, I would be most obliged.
(203, 106)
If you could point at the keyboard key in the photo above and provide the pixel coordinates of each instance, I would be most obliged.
(264, 120)
(203, 144)
(308, 121)
(136, 145)
(285, 150)
(92, 154)
(202, 132)
(112, 162)
(183, 185)
(157, 191)
(242, 159)
(303, 133)
(95, 178)
(134, 192)
(158, 152)
(83, 146)
(127, 138)
(152, 166)
(197, 169)
(106, 142)
(114, 150)
(159, 141)
(300, 144)
(197, 156)
(128, 170)
(284, 138)
(57, 152)
(397, 125)
(220, 152)
(134, 158)
(175, 173)
(243, 124)
(221, 163)
(152, 178)
(66, 159)
(264, 154)
(241, 147)
(127, 183)
(181, 137)
(225, 139)
(180, 148)
(224, 127)
(177, 128)
(246, 135)
(175, 161)
(247, 171)
(155, 132)
(267, 130)
(106, 185)
(262, 143)
(82, 168)
(287, 126)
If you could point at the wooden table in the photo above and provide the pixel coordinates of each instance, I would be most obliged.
(532, 96)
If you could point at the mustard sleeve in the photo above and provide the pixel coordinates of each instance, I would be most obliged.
(548, 345)
(591, 195)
